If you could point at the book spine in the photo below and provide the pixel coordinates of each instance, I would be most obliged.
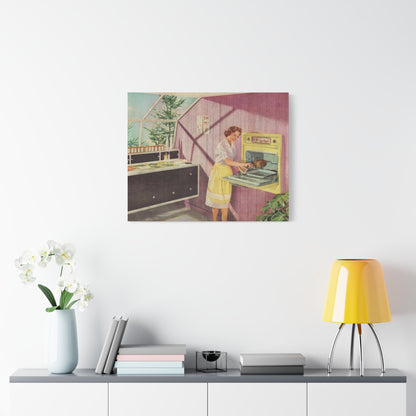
(150, 371)
(106, 346)
(271, 360)
(151, 351)
(273, 370)
(150, 357)
(108, 369)
(149, 364)
(172, 349)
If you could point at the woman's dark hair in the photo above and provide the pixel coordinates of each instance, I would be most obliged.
(231, 130)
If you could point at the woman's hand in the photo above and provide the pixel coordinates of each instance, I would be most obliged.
(240, 165)
(244, 166)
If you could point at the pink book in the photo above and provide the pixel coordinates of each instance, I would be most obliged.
(150, 357)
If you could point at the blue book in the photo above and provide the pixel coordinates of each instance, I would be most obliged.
(151, 371)
(149, 364)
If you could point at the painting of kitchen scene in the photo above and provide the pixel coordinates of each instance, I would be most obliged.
(208, 157)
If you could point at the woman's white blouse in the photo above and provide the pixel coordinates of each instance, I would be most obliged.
(224, 150)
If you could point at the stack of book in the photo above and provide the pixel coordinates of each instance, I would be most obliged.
(151, 359)
(111, 345)
(277, 364)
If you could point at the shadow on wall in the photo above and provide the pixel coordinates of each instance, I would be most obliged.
(401, 290)
(254, 104)
(137, 333)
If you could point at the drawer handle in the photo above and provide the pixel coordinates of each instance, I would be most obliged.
(190, 189)
(154, 197)
(190, 173)
(173, 192)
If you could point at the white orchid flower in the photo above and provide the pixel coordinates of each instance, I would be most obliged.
(27, 271)
(27, 278)
(71, 286)
(53, 246)
(45, 256)
(82, 305)
(88, 296)
(82, 290)
(64, 254)
(70, 266)
(27, 275)
(20, 264)
(30, 257)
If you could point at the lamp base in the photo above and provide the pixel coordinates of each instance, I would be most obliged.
(331, 353)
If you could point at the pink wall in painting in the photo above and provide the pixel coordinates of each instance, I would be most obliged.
(253, 112)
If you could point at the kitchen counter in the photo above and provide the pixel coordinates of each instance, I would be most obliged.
(162, 165)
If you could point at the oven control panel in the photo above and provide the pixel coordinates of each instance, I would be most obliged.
(261, 140)
(266, 140)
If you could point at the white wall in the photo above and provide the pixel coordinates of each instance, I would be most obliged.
(350, 69)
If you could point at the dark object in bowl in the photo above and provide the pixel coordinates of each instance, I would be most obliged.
(211, 356)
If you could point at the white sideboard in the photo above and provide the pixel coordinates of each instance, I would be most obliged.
(157, 399)
(358, 399)
(249, 399)
(63, 399)
(36, 392)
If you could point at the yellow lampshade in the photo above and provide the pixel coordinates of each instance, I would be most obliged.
(357, 293)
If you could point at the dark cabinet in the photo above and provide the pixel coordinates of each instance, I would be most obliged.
(145, 157)
(152, 157)
(156, 188)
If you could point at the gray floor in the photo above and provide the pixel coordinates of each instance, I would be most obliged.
(171, 212)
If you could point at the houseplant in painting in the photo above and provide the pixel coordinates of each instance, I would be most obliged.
(277, 209)
(62, 345)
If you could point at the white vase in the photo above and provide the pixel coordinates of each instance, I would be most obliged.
(62, 354)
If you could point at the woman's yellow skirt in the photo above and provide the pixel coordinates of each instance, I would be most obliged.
(219, 191)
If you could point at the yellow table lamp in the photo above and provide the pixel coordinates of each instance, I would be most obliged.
(356, 295)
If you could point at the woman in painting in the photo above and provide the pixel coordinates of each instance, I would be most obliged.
(219, 191)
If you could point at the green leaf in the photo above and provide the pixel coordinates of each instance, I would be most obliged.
(65, 298)
(277, 217)
(52, 308)
(49, 295)
(263, 217)
(72, 304)
(274, 203)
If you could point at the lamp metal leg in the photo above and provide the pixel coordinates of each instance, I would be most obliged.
(383, 369)
(361, 350)
(331, 353)
(352, 348)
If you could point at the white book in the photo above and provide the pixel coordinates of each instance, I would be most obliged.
(160, 349)
(106, 346)
(271, 359)
(118, 336)
(148, 364)
(151, 371)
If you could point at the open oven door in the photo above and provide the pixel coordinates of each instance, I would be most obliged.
(265, 178)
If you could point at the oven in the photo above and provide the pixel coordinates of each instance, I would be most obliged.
(265, 151)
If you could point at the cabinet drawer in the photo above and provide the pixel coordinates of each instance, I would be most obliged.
(184, 183)
(257, 399)
(157, 399)
(358, 399)
(63, 399)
